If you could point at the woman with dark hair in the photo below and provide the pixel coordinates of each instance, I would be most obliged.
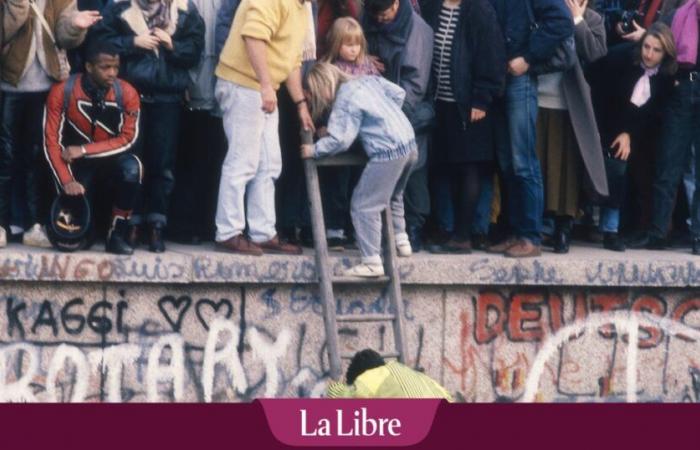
(629, 106)
(469, 70)
(567, 136)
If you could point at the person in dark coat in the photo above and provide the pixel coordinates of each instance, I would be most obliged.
(193, 203)
(469, 69)
(680, 132)
(159, 42)
(527, 45)
(402, 44)
(629, 107)
(567, 135)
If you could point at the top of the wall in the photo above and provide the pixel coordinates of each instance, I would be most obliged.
(182, 264)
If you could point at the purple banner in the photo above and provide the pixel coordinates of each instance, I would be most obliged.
(244, 426)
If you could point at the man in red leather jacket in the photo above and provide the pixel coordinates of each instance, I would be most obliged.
(91, 126)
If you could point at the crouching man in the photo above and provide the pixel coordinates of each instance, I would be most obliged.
(91, 126)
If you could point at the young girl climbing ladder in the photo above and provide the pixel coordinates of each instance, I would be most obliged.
(368, 107)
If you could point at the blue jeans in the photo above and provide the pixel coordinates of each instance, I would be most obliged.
(519, 164)
(681, 130)
(609, 219)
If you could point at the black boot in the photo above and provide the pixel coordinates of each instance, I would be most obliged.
(133, 236)
(561, 239)
(648, 241)
(415, 237)
(156, 244)
(696, 246)
(612, 241)
(117, 237)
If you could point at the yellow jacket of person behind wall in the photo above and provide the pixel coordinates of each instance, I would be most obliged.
(282, 24)
(392, 380)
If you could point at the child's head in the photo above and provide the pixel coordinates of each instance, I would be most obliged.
(346, 41)
(322, 83)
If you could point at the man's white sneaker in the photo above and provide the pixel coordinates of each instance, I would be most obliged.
(365, 270)
(404, 249)
(36, 237)
(3, 238)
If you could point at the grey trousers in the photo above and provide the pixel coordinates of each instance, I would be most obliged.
(381, 184)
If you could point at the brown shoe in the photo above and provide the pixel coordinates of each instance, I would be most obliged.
(458, 246)
(502, 246)
(240, 244)
(523, 249)
(275, 245)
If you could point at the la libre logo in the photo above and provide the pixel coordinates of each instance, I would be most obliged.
(357, 423)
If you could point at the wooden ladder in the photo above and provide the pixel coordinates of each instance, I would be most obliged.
(327, 279)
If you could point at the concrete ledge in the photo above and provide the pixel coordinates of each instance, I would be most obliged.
(584, 266)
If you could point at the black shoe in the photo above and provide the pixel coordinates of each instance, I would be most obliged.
(156, 244)
(480, 241)
(288, 234)
(185, 238)
(612, 241)
(336, 244)
(306, 237)
(133, 236)
(649, 242)
(561, 241)
(117, 238)
(696, 246)
(416, 239)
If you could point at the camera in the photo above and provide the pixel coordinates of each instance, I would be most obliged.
(626, 19)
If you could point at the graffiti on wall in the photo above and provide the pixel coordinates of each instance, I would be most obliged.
(212, 344)
(543, 345)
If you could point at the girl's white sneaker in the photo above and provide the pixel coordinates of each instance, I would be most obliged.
(365, 270)
(404, 250)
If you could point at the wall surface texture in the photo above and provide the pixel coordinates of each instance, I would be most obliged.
(210, 327)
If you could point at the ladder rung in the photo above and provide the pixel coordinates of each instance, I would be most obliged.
(383, 355)
(360, 280)
(366, 318)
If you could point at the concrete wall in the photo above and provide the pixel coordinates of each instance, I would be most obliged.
(219, 328)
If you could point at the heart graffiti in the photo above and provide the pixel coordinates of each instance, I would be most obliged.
(178, 306)
(205, 304)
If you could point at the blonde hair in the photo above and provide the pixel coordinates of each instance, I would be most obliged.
(345, 30)
(323, 81)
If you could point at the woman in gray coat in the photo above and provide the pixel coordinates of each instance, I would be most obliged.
(567, 136)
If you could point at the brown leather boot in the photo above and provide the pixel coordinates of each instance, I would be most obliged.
(240, 244)
(275, 245)
(523, 249)
(502, 246)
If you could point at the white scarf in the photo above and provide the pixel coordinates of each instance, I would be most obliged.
(309, 46)
(642, 90)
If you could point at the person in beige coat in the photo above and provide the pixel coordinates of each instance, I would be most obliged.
(31, 61)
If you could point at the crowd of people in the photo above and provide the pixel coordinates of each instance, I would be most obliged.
(499, 125)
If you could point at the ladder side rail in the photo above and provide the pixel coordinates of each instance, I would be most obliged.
(323, 268)
(395, 294)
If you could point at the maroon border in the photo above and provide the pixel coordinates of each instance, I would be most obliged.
(243, 426)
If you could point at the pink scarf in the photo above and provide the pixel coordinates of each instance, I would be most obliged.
(685, 31)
